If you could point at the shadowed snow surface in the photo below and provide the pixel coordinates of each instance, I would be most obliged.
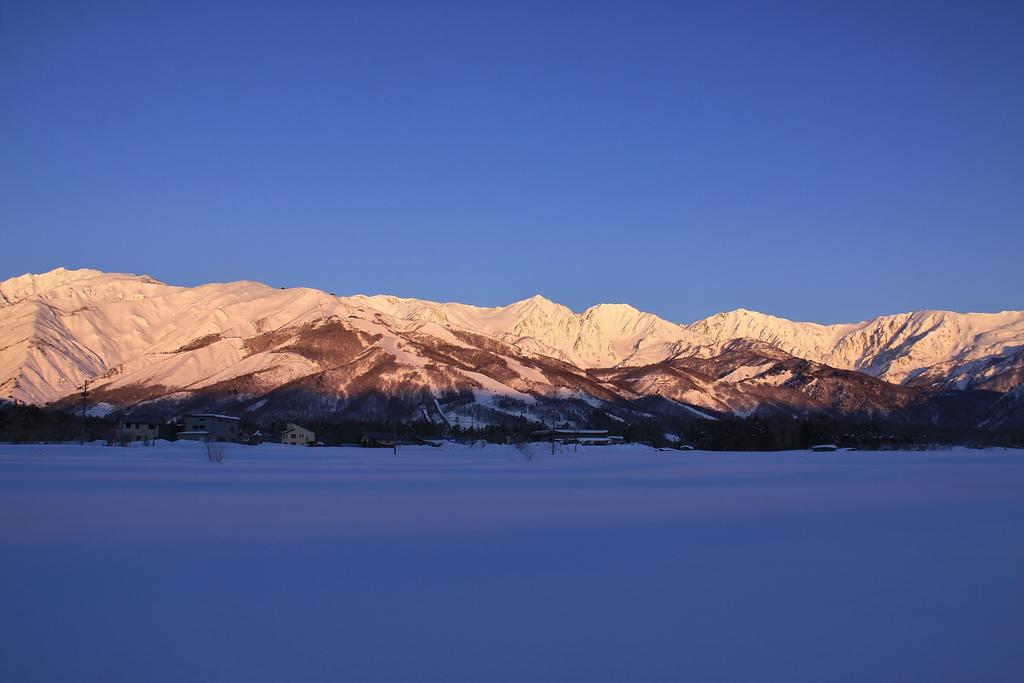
(462, 564)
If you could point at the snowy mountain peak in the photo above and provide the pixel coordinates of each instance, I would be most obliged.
(612, 311)
(78, 283)
(537, 300)
(24, 286)
(926, 347)
(538, 305)
(64, 326)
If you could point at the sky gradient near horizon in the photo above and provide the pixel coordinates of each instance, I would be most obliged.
(817, 161)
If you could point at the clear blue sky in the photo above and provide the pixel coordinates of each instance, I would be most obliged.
(820, 161)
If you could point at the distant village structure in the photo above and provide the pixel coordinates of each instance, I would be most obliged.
(391, 439)
(297, 435)
(254, 439)
(138, 428)
(210, 427)
(583, 437)
(377, 440)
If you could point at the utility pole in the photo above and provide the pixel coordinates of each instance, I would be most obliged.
(85, 405)
(394, 434)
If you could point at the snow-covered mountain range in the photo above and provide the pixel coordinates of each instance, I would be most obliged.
(263, 350)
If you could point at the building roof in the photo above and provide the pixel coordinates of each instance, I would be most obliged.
(226, 417)
(292, 425)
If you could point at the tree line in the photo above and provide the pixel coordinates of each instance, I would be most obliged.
(20, 423)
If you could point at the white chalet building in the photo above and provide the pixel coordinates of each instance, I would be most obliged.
(297, 435)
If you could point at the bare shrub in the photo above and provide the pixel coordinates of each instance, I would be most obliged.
(215, 451)
(526, 449)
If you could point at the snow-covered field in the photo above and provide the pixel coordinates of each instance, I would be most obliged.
(462, 564)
